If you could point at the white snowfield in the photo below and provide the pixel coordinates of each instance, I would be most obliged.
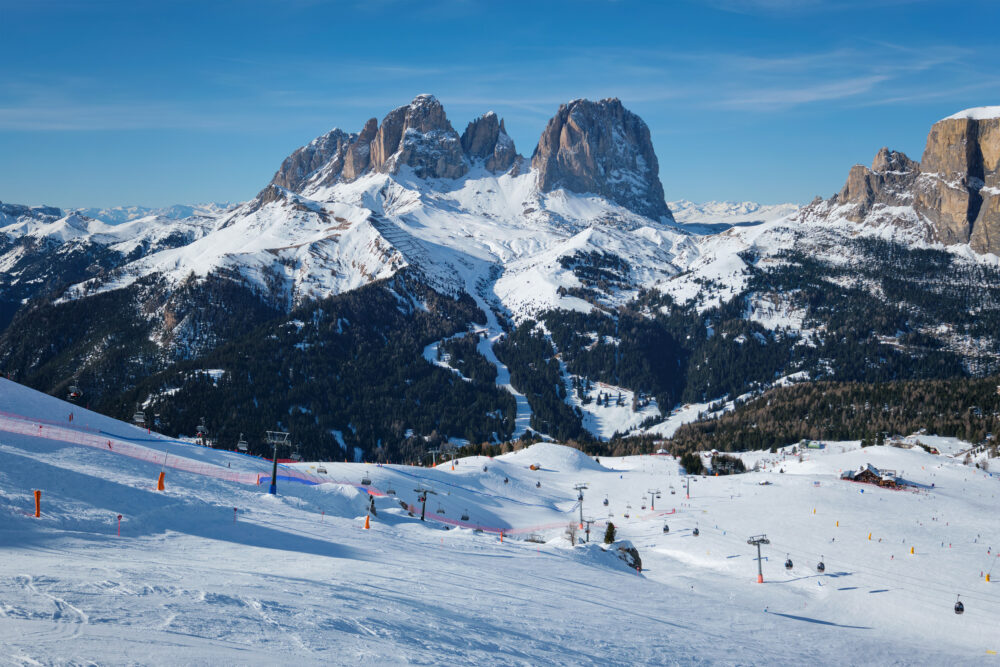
(977, 113)
(296, 579)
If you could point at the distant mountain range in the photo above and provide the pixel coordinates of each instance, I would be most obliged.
(729, 212)
(407, 284)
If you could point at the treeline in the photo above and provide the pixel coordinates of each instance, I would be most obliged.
(964, 408)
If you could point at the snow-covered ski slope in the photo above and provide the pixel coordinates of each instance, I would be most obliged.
(295, 578)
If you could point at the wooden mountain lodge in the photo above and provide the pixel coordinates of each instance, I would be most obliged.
(869, 474)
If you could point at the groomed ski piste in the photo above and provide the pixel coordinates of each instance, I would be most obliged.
(214, 570)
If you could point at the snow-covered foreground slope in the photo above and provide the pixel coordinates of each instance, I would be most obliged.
(296, 578)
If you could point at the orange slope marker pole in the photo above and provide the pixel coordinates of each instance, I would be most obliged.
(38, 504)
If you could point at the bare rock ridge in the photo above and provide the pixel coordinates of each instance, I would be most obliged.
(959, 185)
(954, 189)
(587, 147)
(601, 148)
(888, 182)
(486, 139)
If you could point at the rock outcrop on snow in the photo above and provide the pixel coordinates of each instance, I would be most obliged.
(326, 152)
(601, 148)
(953, 193)
(486, 139)
(598, 148)
(888, 182)
(959, 185)
(419, 136)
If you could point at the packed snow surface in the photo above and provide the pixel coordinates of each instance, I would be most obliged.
(977, 113)
(219, 572)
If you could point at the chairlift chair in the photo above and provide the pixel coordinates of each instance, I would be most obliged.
(465, 515)
(242, 445)
(320, 470)
(390, 491)
(788, 562)
(666, 529)
(959, 607)
(605, 501)
(366, 480)
(295, 455)
(73, 393)
(139, 417)
(696, 532)
(821, 566)
(440, 509)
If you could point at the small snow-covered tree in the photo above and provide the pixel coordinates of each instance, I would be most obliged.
(571, 533)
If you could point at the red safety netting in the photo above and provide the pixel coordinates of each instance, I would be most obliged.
(49, 431)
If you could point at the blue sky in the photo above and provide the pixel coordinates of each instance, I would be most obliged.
(107, 103)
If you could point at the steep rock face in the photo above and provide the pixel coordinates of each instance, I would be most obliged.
(358, 156)
(486, 139)
(603, 148)
(888, 182)
(327, 151)
(419, 136)
(960, 180)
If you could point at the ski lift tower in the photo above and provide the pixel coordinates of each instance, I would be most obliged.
(758, 540)
(422, 492)
(276, 439)
(653, 494)
(579, 489)
(434, 451)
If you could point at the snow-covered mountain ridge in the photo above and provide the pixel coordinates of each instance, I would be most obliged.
(562, 264)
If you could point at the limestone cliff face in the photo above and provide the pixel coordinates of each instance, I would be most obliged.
(888, 182)
(358, 157)
(587, 147)
(327, 152)
(959, 185)
(601, 148)
(419, 136)
(952, 195)
(486, 139)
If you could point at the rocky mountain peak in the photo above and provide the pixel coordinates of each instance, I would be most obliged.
(419, 136)
(887, 183)
(486, 139)
(601, 148)
(959, 188)
(327, 151)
